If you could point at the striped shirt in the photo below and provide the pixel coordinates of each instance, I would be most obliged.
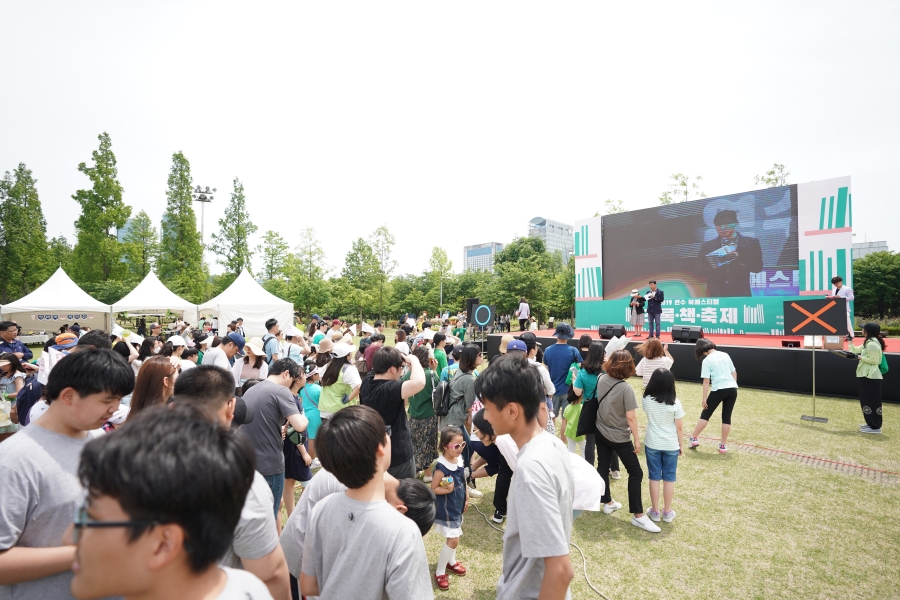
(661, 432)
(646, 367)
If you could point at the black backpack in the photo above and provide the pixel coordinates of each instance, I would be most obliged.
(440, 399)
(27, 397)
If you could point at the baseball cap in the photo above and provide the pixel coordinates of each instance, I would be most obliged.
(530, 340)
(177, 340)
(517, 345)
(237, 339)
(317, 317)
(564, 331)
(336, 322)
(341, 350)
(243, 414)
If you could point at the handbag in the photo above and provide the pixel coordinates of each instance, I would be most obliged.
(587, 421)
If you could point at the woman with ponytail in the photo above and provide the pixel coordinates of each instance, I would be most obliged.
(869, 375)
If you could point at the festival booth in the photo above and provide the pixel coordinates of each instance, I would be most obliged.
(248, 300)
(58, 301)
(151, 297)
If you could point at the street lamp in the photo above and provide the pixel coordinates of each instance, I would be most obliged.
(204, 196)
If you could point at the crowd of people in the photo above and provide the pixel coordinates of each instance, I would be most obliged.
(177, 454)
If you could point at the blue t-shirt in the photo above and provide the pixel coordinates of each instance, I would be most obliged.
(558, 358)
(271, 347)
(717, 367)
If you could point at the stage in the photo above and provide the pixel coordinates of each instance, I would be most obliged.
(762, 362)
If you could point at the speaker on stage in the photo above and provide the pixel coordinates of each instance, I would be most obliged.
(610, 331)
(686, 334)
(482, 316)
(471, 303)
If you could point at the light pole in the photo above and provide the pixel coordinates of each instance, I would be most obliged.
(442, 290)
(204, 196)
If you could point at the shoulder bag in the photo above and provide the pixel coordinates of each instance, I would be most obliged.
(587, 421)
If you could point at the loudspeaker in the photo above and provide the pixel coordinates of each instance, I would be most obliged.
(610, 331)
(482, 316)
(686, 334)
(790, 343)
(471, 303)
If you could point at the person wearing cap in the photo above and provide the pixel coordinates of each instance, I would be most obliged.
(294, 346)
(203, 341)
(12, 380)
(842, 291)
(636, 312)
(321, 332)
(173, 348)
(340, 381)
(335, 328)
(253, 365)
(869, 377)
(559, 358)
(232, 345)
(9, 342)
(376, 343)
(728, 259)
(155, 329)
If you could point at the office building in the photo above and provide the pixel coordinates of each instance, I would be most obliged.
(861, 249)
(480, 257)
(558, 237)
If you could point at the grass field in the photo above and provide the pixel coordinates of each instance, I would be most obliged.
(750, 524)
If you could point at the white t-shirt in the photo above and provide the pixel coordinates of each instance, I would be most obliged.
(524, 311)
(403, 347)
(242, 585)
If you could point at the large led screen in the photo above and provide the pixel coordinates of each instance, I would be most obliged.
(728, 246)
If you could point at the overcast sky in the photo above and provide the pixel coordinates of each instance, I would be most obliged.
(454, 123)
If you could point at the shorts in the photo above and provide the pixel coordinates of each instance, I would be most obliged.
(560, 402)
(448, 532)
(661, 464)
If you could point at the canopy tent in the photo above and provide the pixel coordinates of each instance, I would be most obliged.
(246, 299)
(57, 301)
(151, 297)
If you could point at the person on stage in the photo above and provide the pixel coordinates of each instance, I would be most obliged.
(636, 312)
(523, 313)
(654, 299)
(869, 377)
(842, 291)
(729, 258)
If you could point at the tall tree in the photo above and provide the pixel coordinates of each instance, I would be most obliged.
(774, 177)
(98, 252)
(235, 228)
(440, 269)
(682, 189)
(24, 262)
(308, 286)
(382, 245)
(141, 246)
(361, 267)
(180, 262)
(275, 252)
(60, 253)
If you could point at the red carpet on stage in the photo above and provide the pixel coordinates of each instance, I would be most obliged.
(746, 340)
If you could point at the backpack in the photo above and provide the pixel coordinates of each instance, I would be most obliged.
(440, 398)
(30, 393)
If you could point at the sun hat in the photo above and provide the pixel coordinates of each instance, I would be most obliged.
(504, 342)
(177, 340)
(634, 292)
(341, 350)
(255, 345)
(564, 331)
(517, 345)
(206, 340)
(237, 339)
(3, 363)
(366, 328)
(325, 346)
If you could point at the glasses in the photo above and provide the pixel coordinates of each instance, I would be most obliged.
(82, 521)
(457, 446)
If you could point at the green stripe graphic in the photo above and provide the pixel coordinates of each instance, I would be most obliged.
(812, 270)
(821, 272)
(822, 216)
(802, 275)
(831, 213)
(840, 217)
(842, 265)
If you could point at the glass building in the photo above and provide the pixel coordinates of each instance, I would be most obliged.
(558, 237)
(480, 257)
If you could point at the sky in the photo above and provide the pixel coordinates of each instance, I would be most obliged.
(452, 123)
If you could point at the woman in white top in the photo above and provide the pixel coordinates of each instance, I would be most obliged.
(655, 356)
(523, 313)
(253, 365)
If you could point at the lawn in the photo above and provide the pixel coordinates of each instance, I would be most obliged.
(751, 523)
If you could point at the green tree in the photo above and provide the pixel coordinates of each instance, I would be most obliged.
(361, 267)
(180, 262)
(98, 252)
(440, 276)
(275, 252)
(612, 207)
(235, 228)
(382, 242)
(141, 246)
(309, 290)
(683, 188)
(24, 263)
(60, 253)
(523, 268)
(877, 285)
(774, 177)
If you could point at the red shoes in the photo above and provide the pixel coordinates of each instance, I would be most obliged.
(457, 568)
(443, 582)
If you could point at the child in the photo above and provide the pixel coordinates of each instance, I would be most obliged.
(309, 395)
(662, 443)
(571, 414)
(490, 462)
(452, 501)
(719, 376)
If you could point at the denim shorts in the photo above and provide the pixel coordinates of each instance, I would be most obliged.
(661, 464)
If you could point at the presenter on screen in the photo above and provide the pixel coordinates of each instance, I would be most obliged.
(654, 299)
(842, 291)
(729, 258)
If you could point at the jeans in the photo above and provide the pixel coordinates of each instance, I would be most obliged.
(625, 450)
(653, 318)
(661, 464)
(276, 484)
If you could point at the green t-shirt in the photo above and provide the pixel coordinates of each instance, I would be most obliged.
(460, 332)
(420, 406)
(441, 357)
(571, 415)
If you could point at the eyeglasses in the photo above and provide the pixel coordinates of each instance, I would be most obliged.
(82, 521)
(457, 446)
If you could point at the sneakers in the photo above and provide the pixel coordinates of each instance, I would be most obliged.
(668, 517)
(653, 514)
(443, 582)
(457, 568)
(722, 449)
(694, 442)
(609, 509)
(473, 493)
(615, 474)
(498, 517)
(315, 464)
(645, 524)
(868, 429)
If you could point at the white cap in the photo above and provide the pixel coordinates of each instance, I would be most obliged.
(341, 350)
(177, 340)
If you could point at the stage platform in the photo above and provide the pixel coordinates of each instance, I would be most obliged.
(762, 362)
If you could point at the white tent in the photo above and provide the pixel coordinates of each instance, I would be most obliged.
(152, 297)
(246, 299)
(59, 300)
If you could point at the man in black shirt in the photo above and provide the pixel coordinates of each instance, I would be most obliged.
(729, 258)
(383, 391)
